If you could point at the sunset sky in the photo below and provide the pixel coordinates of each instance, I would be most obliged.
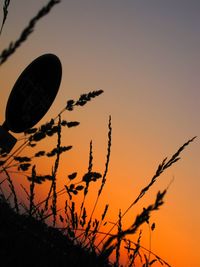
(145, 56)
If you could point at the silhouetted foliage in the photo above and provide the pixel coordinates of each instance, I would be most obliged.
(6, 53)
(5, 13)
(78, 242)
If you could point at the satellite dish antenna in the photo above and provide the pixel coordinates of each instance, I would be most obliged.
(31, 97)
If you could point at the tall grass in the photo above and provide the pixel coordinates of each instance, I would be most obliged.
(13, 46)
(5, 13)
(78, 227)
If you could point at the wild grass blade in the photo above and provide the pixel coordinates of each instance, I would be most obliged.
(5, 13)
(161, 168)
(13, 191)
(119, 241)
(54, 173)
(32, 194)
(140, 219)
(6, 53)
(106, 165)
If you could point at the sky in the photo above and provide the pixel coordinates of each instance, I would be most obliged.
(145, 56)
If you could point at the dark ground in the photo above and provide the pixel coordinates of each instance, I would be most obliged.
(27, 242)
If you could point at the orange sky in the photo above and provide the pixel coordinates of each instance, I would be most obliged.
(145, 56)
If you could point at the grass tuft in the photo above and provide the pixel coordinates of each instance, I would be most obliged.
(77, 238)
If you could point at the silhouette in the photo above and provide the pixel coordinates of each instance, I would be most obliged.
(31, 97)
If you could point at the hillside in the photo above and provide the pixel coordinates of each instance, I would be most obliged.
(27, 242)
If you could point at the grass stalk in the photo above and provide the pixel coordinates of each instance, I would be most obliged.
(5, 13)
(106, 166)
(13, 191)
(6, 53)
(161, 168)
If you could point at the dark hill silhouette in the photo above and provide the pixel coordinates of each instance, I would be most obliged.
(27, 242)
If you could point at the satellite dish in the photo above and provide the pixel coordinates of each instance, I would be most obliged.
(33, 94)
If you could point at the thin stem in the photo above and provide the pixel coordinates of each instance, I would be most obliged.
(161, 168)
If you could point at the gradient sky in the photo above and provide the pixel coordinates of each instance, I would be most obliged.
(145, 56)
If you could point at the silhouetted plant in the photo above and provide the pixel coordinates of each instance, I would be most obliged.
(5, 13)
(80, 229)
(6, 53)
